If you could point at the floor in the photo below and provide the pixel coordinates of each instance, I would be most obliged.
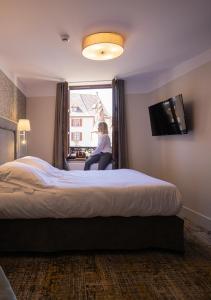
(130, 275)
(198, 232)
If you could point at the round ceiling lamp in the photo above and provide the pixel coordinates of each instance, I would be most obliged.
(103, 46)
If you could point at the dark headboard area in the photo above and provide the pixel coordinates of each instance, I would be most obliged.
(8, 140)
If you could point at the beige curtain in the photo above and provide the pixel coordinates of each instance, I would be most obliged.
(61, 129)
(119, 134)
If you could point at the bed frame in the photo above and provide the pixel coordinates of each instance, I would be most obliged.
(99, 233)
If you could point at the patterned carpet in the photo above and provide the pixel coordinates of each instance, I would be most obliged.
(129, 275)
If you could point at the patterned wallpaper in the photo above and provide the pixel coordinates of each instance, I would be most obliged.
(12, 100)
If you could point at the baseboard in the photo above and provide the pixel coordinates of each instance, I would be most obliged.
(196, 217)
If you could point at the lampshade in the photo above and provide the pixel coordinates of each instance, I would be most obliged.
(103, 46)
(24, 125)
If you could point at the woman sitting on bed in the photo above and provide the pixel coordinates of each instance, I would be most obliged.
(102, 154)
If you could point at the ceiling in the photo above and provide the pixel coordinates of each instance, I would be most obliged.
(159, 35)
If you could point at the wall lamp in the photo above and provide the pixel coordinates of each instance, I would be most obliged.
(23, 127)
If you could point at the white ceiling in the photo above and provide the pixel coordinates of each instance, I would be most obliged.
(159, 35)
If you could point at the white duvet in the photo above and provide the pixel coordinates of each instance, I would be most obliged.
(31, 188)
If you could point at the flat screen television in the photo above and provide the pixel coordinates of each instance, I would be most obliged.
(168, 117)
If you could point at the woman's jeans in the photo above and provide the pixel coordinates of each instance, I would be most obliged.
(103, 159)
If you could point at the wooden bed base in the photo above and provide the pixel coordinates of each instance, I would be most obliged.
(100, 233)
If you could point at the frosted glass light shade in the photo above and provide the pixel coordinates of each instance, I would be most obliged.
(103, 46)
(24, 125)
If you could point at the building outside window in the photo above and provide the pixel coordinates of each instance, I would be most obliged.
(88, 107)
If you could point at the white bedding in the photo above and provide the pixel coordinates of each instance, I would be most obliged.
(84, 194)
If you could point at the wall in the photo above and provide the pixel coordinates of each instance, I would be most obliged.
(183, 160)
(12, 105)
(41, 113)
(137, 131)
(12, 100)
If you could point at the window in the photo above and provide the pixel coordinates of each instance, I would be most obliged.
(76, 122)
(88, 107)
(76, 137)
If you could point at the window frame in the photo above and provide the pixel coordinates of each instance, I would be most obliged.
(90, 87)
(87, 87)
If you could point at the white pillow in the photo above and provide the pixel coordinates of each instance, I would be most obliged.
(22, 174)
(38, 163)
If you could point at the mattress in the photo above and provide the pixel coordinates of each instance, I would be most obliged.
(87, 194)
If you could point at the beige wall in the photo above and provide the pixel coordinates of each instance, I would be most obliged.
(184, 160)
(137, 131)
(41, 112)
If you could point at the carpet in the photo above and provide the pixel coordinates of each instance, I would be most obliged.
(114, 275)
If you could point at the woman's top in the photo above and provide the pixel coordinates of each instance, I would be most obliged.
(104, 145)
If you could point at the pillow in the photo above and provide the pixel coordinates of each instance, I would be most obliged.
(38, 163)
(22, 174)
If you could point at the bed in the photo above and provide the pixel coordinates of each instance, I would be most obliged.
(43, 209)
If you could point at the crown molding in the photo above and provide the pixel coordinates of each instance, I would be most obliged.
(138, 84)
(12, 77)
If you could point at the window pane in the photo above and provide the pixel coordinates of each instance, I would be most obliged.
(76, 122)
(88, 107)
(76, 137)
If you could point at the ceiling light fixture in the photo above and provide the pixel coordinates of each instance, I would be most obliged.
(103, 46)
